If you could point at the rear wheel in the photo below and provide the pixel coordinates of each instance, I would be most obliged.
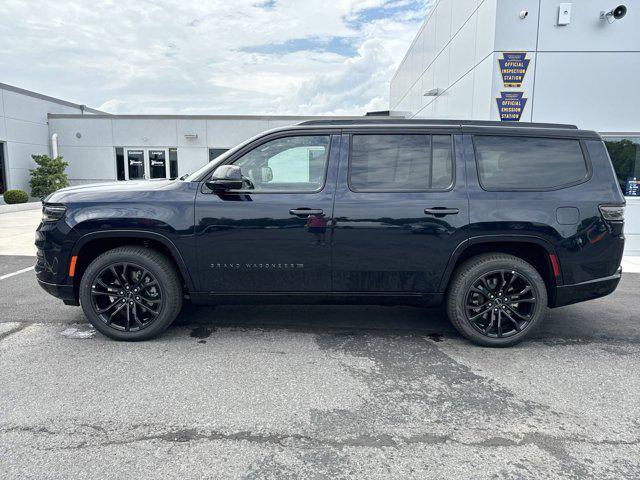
(131, 293)
(496, 300)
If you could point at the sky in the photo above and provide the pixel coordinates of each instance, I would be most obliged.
(297, 57)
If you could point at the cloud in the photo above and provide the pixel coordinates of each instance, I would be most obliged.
(214, 57)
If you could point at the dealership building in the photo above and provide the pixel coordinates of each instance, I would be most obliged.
(518, 60)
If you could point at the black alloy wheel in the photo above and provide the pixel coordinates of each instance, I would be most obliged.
(131, 293)
(126, 297)
(496, 299)
(500, 303)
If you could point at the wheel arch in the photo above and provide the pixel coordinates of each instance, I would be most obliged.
(534, 250)
(90, 245)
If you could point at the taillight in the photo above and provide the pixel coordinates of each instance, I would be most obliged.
(612, 213)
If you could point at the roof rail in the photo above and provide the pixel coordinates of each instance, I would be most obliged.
(414, 121)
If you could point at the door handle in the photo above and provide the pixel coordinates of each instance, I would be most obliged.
(305, 211)
(441, 211)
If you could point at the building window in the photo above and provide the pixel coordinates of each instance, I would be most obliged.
(216, 152)
(173, 163)
(120, 163)
(625, 156)
(3, 178)
(528, 163)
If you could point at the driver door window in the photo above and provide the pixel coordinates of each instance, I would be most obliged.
(289, 164)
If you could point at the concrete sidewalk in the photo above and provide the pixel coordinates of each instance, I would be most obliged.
(17, 232)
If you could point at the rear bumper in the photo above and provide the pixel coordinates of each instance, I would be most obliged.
(580, 292)
(64, 292)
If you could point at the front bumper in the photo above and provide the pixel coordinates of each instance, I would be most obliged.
(64, 292)
(580, 292)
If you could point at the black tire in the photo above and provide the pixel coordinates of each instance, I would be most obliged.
(467, 299)
(166, 286)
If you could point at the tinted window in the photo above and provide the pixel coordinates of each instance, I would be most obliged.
(287, 164)
(515, 163)
(625, 156)
(401, 162)
(216, 152)
(120, 163)
(173, 163)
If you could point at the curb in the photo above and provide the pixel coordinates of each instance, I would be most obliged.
(20, 207)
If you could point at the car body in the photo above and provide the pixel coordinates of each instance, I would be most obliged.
(350, 211)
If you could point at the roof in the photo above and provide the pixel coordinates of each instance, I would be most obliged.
(29, 93)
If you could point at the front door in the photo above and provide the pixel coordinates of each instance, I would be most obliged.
(147, 163)
(273, 235)
(401, 209)
(157, 162)
(135, 164)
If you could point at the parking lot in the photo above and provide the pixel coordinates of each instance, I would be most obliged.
(312, 391)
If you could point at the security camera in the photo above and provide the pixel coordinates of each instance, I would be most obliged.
(524, 14)
(612, 15)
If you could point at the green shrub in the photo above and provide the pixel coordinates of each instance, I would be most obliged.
(15, 196)
(48, 177)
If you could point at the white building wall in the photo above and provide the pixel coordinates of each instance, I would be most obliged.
(455, 40)
(583, 73)
(24, 131)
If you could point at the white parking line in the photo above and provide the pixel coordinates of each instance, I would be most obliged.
(17, 273)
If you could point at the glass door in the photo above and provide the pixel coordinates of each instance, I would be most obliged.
(158, 163)
(135, 164)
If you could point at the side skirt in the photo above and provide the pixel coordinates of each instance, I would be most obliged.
(303, 298)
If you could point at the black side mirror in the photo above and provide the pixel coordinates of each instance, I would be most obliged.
(225, 178)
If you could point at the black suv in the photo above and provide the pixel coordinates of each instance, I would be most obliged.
(496, 221)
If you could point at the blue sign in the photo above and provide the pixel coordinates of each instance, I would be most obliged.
(511, 105)
(633, 187)
(513, 67)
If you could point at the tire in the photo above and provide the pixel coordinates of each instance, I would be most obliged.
(157, 298)
(468, 297)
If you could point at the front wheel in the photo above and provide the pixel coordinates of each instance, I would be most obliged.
(131, 293)
(496, 300)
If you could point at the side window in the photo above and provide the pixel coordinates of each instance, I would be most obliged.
(528, 163)
(400, 162)
(287, 164)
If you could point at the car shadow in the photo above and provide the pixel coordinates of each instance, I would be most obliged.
(317, 318)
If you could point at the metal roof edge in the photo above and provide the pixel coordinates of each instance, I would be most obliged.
(40, 96)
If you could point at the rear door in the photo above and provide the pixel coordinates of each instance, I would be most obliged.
(401, 209)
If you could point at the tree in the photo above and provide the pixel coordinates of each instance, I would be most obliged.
(48, 177)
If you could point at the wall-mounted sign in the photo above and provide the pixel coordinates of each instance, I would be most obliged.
(511, 105)
(633, 187)
(513, 68)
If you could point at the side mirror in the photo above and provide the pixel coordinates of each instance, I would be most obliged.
(225, 178)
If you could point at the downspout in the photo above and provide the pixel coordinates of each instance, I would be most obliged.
(54, 145)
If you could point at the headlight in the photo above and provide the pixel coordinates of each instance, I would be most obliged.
(53, 213)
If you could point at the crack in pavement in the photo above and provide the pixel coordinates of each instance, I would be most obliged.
(185, 435)
(17, 329)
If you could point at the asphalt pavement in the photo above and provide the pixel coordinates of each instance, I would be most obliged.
(316, 392)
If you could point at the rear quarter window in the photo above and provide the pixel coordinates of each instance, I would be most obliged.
(529, 163)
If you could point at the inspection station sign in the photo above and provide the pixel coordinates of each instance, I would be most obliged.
(513, 68)
(511, 105)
